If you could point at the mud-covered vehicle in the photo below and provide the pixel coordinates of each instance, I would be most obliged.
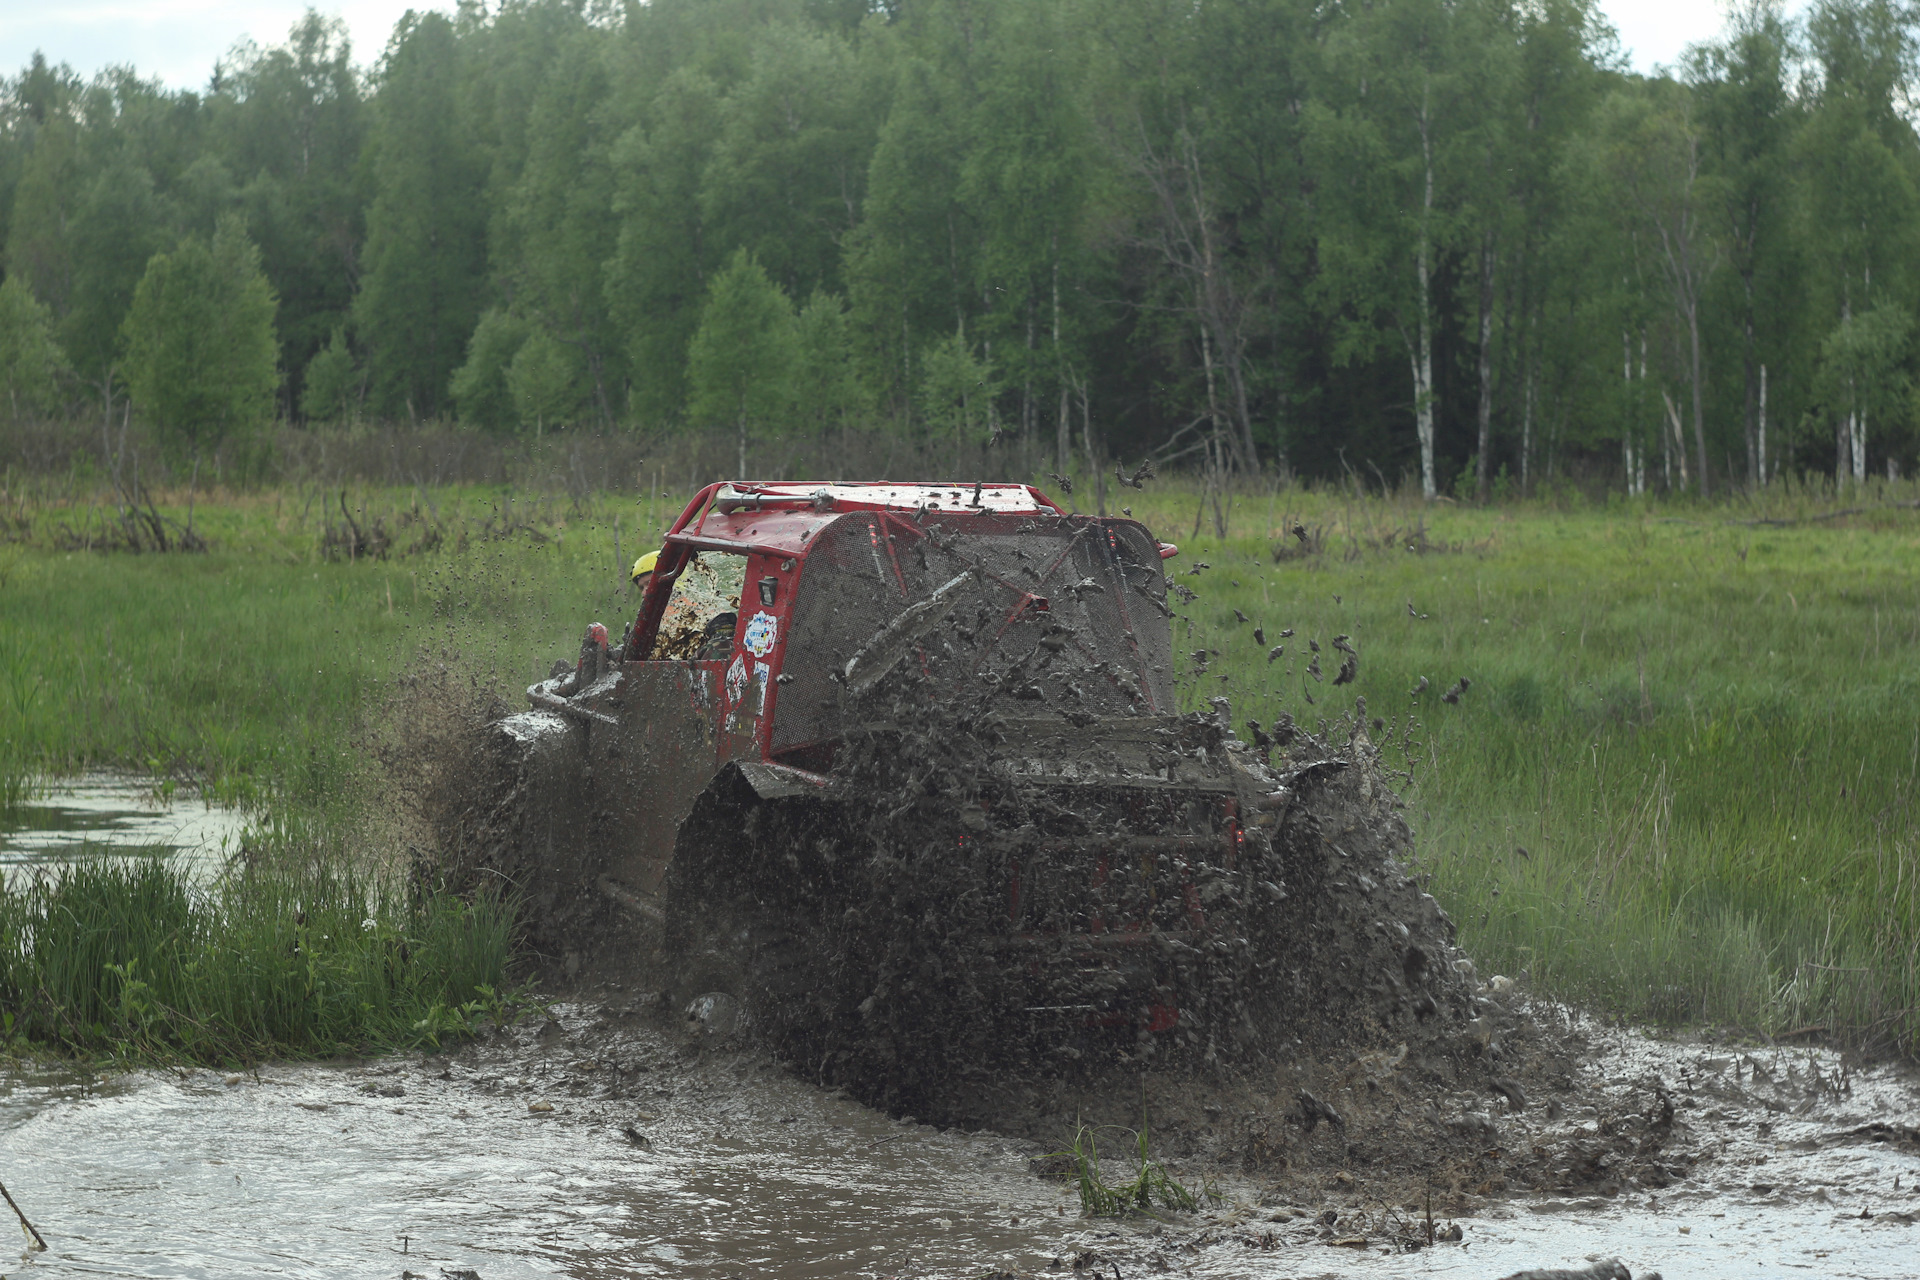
(899, 768)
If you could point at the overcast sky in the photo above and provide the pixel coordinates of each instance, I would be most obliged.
(179, 40)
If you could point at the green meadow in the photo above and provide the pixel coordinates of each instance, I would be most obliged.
(1677, 785)
(1680, 784)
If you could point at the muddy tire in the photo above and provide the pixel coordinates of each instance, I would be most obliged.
(744, 912)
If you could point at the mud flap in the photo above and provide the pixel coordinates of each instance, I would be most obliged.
(779, 781)
(588, 803)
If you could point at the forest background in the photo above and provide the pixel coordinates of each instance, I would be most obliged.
(1451, 242)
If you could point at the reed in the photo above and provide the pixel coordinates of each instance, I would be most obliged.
(131, 957)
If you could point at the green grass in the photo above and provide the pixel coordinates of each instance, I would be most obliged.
(1681, 784)
(242, 671)
(1150, 1182)
(131, 958)
(1702, 733)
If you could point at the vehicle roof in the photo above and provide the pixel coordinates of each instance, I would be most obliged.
(891, 495)
(783, 516)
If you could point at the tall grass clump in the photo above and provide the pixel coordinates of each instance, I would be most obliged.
(1150, 1182)
(16, 785)
(131, 957)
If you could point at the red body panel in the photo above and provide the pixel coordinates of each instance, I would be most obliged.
(773, 524)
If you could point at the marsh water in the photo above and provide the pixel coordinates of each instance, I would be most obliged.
(107, 812)
(598, 1144)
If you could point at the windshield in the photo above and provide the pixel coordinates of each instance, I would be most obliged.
(706, 593)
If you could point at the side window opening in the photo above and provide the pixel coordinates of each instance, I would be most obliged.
(704, 610)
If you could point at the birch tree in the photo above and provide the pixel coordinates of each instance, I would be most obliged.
(1387, 140)
(1654, 157)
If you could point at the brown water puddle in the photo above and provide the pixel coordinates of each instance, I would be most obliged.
(425, 1166)
(735, 1168)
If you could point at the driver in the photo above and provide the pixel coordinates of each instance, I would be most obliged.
(700, 618)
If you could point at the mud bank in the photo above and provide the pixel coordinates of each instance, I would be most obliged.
(670, 1151)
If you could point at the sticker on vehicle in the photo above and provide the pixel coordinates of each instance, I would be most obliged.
(763, 629)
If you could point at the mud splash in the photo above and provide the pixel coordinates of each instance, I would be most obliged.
(1797, 1161)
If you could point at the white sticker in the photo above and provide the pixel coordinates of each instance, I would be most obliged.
(736, 679)
(763, 629)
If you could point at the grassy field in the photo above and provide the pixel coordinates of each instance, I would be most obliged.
(1678, 786)
(1681, 783)
(242, 671)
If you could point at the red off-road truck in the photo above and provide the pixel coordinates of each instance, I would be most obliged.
(924, 801)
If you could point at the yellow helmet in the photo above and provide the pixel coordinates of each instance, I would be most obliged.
(644, 565)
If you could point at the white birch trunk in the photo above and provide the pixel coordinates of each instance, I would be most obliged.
(1423, 351)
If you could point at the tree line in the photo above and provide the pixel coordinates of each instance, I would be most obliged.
(1452, 240)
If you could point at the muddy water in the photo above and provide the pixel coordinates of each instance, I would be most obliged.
(733, 1168)
(114, 811)
(439, 1164)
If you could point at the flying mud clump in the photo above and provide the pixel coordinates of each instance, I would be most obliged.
(1036, 946)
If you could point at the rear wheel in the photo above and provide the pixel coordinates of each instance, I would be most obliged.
(744, 913)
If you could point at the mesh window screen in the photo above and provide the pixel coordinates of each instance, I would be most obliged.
(1063, 614)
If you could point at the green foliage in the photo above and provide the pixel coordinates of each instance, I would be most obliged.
(655, 279)
(332, 385)
(903, 296)
(288, 125)
(200, 351)
(38, 248)
(1863, 365)
(130, 957)
(545, 382)
(480, 388)
(826, 387)
(784, 177)
(1150, 1181)
(1396, 238)
(558, 228)
(956, 386)
(425, 253)
(1025, 182)
(119, 223)
(741, 362)
(31, 363)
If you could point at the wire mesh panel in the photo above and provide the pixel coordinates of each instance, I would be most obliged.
(1047, 615)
